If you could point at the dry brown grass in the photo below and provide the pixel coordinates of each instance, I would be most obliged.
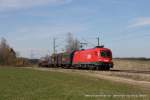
(132, 69)
(138, 65)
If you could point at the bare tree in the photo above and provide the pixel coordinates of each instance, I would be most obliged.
(7, 54)
(72, 43)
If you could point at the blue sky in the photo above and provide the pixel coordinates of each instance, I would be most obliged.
(30, 25)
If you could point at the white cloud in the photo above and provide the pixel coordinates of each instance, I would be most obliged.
(139, 22)
(21, 4)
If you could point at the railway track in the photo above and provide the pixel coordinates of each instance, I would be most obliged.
(111, 70)
(128, 74)
(131, 71)
(139, 78)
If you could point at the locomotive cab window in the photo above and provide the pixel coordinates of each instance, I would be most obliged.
(105, 54)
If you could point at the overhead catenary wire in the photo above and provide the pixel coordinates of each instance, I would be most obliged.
(61, 44)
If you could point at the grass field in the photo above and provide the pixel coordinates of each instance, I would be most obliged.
(28, 84)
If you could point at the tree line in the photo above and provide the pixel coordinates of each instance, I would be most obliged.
(8, 56)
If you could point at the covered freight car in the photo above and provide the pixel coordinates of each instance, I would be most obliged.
(62, 59)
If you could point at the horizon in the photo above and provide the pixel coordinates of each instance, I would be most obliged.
(122, 25)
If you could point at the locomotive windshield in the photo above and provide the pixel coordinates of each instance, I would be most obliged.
(105, 53)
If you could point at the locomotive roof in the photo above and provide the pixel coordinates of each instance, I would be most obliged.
(101, 48)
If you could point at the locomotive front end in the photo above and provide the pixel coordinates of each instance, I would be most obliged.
(105, 58)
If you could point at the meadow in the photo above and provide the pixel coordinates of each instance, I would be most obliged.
(29, 84)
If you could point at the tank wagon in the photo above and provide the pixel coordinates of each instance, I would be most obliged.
(98, 58)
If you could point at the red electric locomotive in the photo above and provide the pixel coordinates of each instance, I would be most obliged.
(95, 58)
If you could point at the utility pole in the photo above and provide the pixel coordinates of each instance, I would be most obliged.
(54, 45)
(98, 44)
(31, 54)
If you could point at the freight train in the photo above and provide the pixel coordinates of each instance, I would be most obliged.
(98, 58)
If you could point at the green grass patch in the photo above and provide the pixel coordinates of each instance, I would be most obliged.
(28, 84)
